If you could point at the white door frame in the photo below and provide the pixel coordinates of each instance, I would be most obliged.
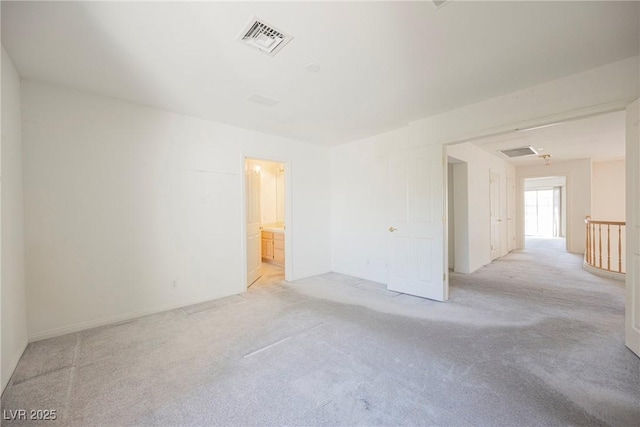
(495, 192)
(632, 181)
(620, 105)
(460, 215)
(253, 181)
(288, 223)
(510, 196)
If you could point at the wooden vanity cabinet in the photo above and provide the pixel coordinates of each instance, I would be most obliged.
(273, 247)
(278, 248)
(267, 245)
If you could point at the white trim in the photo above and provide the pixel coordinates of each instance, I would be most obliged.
(445, 221)
(575, 114)
(119, 318)
(243, 286)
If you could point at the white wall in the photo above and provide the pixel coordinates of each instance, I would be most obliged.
(578, 174)
(13, 294)
(608, 191)
(359, 201)
(479, 164)
(122, 200)
(358, 169)
(602, 89)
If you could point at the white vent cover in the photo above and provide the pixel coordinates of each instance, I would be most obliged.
(439, 3)
(519, 152)
(262, 100)
(264, 37)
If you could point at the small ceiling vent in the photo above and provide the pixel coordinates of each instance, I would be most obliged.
(439, 3)
(262, 100)
(264, 37)
(519, 152)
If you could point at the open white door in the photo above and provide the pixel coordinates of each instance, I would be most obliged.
(632, 311)
(254, 256)
(416, 223)
(496, 226)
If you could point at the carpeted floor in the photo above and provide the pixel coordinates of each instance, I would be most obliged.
(531, 339)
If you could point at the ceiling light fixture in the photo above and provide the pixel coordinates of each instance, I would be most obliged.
(546, 158)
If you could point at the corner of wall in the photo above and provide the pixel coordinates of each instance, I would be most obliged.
(13, 310)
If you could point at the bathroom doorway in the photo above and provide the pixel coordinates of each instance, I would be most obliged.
(266, 229)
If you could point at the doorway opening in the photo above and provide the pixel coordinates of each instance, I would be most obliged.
(545, 213)
(457, 212)
(265, 215)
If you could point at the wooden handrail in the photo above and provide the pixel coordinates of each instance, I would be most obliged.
(594, 250)
(588, 220)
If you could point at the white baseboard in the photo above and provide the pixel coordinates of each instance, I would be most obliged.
(111, 320)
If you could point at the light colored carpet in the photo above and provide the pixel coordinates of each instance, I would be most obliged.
(529, 340)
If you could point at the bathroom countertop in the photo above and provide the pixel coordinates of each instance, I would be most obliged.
(273, 229)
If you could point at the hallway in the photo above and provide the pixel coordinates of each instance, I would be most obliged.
(574, 343)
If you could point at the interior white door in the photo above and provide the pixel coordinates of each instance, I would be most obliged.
(632, 312)
(416, 223)
(494, 183)
(511, 214)
(254, 256)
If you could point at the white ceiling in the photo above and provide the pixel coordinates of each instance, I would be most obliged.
(599, 138)
(381, 64)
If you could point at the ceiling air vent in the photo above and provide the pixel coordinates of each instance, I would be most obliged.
(439, 3)
(264, 37)
(262, 100)
(519, 152)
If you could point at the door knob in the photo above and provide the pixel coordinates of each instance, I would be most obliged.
(392, 229)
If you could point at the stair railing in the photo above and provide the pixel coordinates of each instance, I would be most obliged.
(605, 245)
